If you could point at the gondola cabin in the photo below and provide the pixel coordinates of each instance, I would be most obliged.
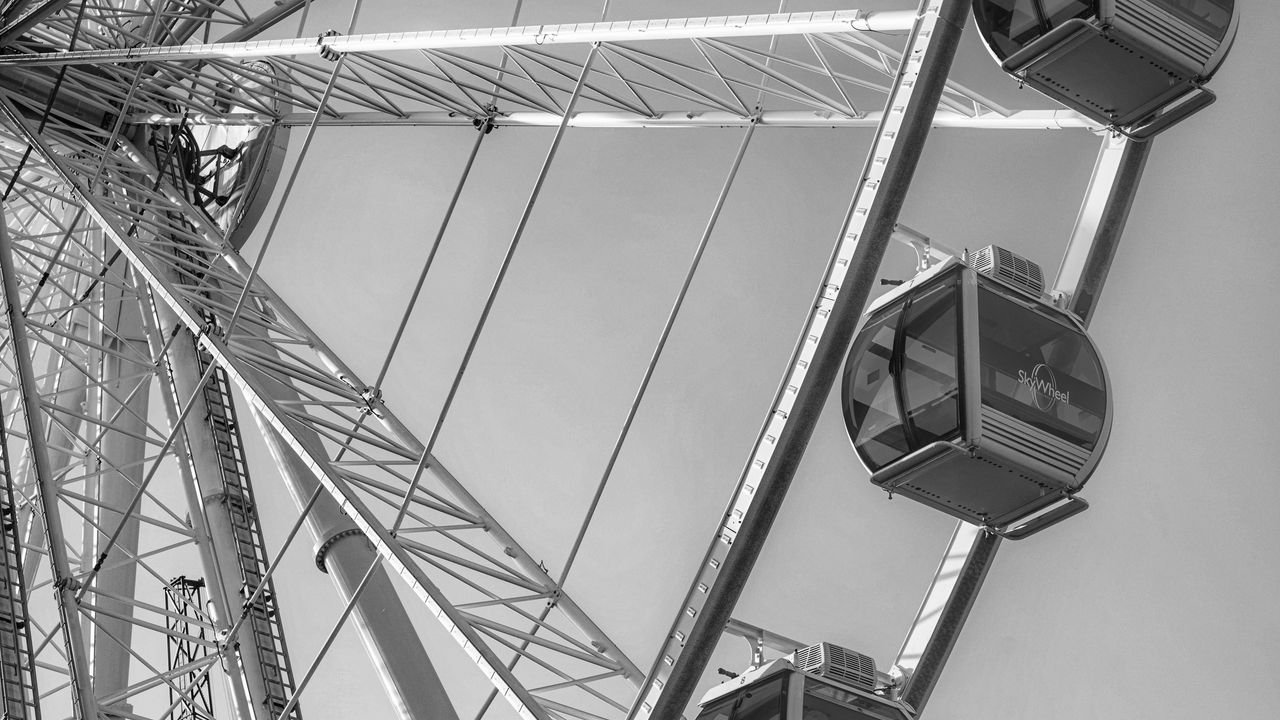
(821, 682)
(965, 390)
(1138, 65)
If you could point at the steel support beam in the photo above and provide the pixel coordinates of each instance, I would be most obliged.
(946, 606)
(85, 706)
(28, 17)
(847, 284)
(384, 449)
(1018, 120)
(954, 590)
(736, 26)
(403, 667)
(1112, 190)
(198, 465)
(123, 404)
(18, 692)
(279, 11)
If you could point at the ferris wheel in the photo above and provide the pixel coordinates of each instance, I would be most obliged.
(142, 142)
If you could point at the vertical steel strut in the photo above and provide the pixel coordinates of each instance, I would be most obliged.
(64, 584)
(18, 693)
(265, 625)
(814, 365)
(1112, 190)
(250, 675)
(954, 590)
(946, 606)
(589, 664)
(224, 497)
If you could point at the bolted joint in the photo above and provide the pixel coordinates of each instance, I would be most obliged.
(327, 52)
(68, 583)
(221, 497)
(323, 548)
(373, 404)
(1061, 299)
(487, 122)
(209, 327)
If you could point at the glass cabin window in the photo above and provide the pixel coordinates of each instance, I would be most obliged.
(1212, 17)
(1013, 24)
(827, 702)
(1038, 369)
(872, 398)
(766, 701)
(930, 372)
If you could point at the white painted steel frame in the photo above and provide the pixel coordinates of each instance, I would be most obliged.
(523, 87)
(737, 26)
(84, 703)
(702, 65)
(61, 295)
(202, 481)
(762, 485)
(19, 689)
(115, 23)
(327, 376)
(970, 553)
(1017, 120)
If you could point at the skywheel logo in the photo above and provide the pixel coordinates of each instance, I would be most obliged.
(1044, 387)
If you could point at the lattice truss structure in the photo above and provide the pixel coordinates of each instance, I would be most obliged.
(818, 69)
(128, 152)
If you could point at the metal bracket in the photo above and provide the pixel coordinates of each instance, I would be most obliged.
(759, 639)
(67, 582)
(373, 404)
(928, 252)
(326, 51)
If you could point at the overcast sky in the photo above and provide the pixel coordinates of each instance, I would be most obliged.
(1158, 602)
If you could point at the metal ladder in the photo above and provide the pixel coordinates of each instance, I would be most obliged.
(251, 557)
(17, 670)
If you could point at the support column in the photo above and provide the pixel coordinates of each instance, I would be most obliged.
(67, 389)
(946, 606)
(971, 552)
(816, 362)
(198, 466)
(124, 397)
(1113, 188)
(408, 677)
(84, 703)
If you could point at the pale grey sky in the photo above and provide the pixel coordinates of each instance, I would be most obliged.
(1155, 603)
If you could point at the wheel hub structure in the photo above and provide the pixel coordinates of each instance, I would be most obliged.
(145, 142)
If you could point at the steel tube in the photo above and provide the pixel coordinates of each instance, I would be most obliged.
(621, 438)
(69, 391)
(200, 470)
(816, 363)
(123, 405)
(86, 706)
(1018, 120)
(942, 615)
(971, 552)
(279, 11)
(403, 667)
(1103, 214)
(737, 26)
(260, 396)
